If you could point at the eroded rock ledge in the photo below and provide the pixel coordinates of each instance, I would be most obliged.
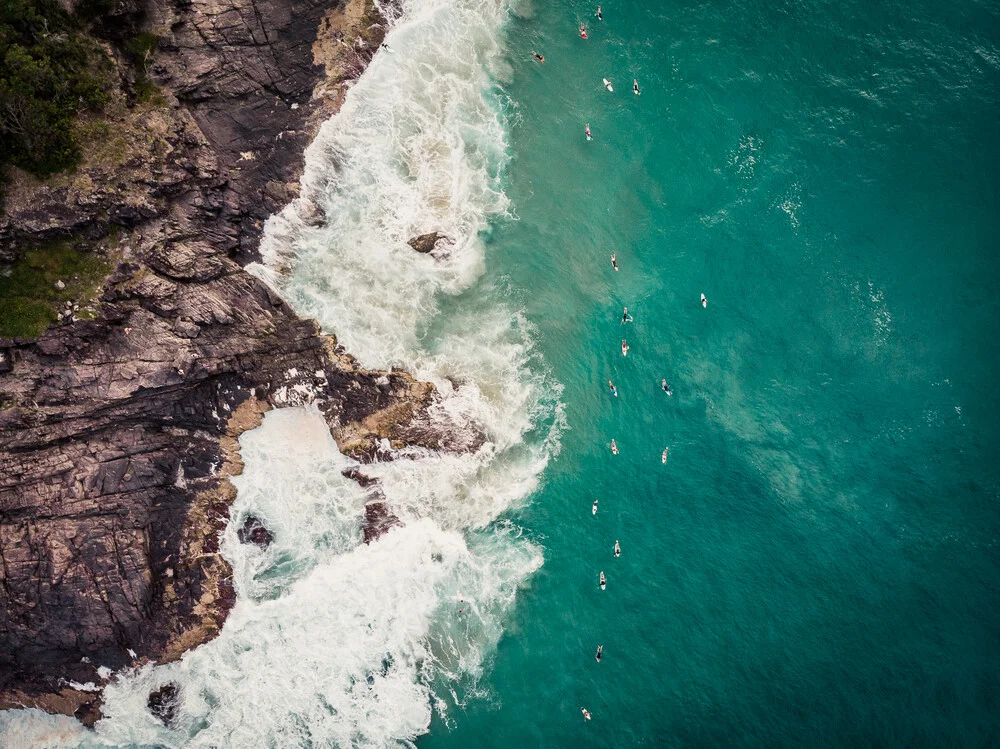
(118, 435)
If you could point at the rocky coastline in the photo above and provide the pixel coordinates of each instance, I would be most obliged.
(118, 434)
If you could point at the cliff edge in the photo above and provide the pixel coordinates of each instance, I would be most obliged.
(119, 422)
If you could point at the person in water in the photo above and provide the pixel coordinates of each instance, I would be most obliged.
(614, 390)
(583, 31)
(635, 86)
(537, 56)
(586, 715)
(666, 387)
(600, 16)
(598, 656)
(385, 47)
(626, 317)
(618, 549)
(624, 347)
(587, 131)
(614, 447)
(594, 509)
(614, 261)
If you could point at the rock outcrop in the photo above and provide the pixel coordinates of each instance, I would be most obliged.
(118, 435)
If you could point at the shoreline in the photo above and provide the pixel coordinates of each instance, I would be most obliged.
(118, 435)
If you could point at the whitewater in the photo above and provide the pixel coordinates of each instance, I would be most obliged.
(332, 642)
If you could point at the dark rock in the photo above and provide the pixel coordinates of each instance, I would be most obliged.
(355, 475)
(379, 520)
(254, 532)
(427, 243)
(164, 703)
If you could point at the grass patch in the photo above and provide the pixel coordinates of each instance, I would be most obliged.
(29, 298)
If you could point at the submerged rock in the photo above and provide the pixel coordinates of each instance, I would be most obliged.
(164, 703)
(254, 532)
(379, 519)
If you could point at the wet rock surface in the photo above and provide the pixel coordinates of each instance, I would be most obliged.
(118, 435)
(253, 531)
(427, 243)
(164, 703)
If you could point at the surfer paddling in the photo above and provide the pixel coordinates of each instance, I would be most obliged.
(635, 86)
(587, 131)
(666, 387)
(614, 390)
(583, 31)
(586, 714)
(600, 649)
(607, 85)
(618, 549)
(537, 56)
(614, 447)
(704, 301)
(593, 510)
(603, 580)
(624, 347)
(614, 261)
(663, 458)
(626, 317)
(600, 16)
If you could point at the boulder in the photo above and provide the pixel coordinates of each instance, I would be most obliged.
(164, 702)
(427, 243)
(254, 532)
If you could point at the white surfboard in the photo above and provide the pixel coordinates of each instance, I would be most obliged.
(607, 85)
(704, 301)
(603, 581)
(593, 510)
(663, 458)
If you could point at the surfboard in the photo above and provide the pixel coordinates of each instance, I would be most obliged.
(593, 510)
(663, 458)
(607, 85)
(704, 301)
(603, 581)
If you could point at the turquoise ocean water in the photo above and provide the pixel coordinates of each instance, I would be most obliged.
(817, 564)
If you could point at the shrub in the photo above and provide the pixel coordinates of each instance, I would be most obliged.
(49, 71)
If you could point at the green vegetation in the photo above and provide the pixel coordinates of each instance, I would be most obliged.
(140, 50)
(49, 71)
(29, 297)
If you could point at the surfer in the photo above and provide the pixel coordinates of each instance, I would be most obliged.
(385, 47)
(614, 261)
(626, 317)
(607, 85)
(663, 458)
(587, 131)
(704, 301)
(614, 447)
(598, 656)
(583, 31)
(586, 715)
(537, 56)
(593, 510)
(600, 16)
(635, 86)
(624, 347)
(618, 549)
(603, 580)
(614, 390)
(666, 387)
